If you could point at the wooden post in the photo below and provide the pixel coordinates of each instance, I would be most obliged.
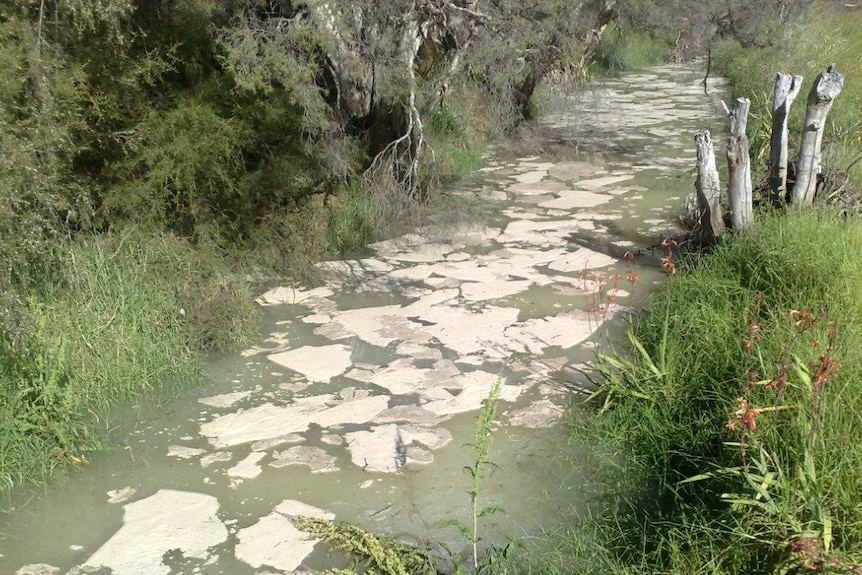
(708, 188)
(739, 187)
(826, 87)
(784, 93)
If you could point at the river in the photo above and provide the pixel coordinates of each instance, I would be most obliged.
(360, 402)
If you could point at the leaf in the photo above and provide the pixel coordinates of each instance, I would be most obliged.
(645, 356)
(465, 531)
(490, 510)
(827, 533)
(695, 478)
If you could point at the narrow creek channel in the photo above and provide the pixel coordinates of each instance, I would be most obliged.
(359, 401)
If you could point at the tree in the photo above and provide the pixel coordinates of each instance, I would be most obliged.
(371, 70)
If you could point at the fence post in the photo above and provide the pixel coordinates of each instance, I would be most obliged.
(739, 187)
(784, 93)
(826, 87)
(708, 188)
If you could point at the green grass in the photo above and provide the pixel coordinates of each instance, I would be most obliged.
(668, 402)
(456, 144)
(623, 48)
(133, 317)
(825, 36)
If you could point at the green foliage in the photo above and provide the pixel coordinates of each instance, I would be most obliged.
(483, 442)
(625, 48)
(377, 553)
(38, 115)
(182, 172)
(129, 319)
(456, 148)
(736, 422)
(827, 35)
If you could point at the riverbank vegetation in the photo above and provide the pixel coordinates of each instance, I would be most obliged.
(157, 154)
(733, 416)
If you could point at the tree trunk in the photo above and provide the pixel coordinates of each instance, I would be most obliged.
(826, 87)
(785, 92)
(524, 93)
(708, 189)
(739, 168)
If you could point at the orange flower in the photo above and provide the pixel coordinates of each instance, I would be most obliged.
(668, 265)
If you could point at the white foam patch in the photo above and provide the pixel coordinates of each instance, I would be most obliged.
(535, 189)
(317, 363)
(358, 411)
(183, 452)
(247, 468)
(574, 170)
(275, 542)
(263, 422)
(402, 377)
(531, 177)
(377, 449)
(475, 389)
(580, 260)
(576, 199)
(467, 332)
(291, 295)
(378, 326)
(537, 415)
(313, 457)
(224, 399)
(167, 520)
(598, 183)
(564, 331)
(473, 291)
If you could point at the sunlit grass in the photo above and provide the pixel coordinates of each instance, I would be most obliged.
(826, 36)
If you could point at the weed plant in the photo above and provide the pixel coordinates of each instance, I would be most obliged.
(380, 554)
(736, 408)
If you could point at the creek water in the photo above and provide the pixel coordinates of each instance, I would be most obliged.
(359, 401)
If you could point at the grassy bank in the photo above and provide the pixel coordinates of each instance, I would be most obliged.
(127, 316)
(736, 410)
(826, 35)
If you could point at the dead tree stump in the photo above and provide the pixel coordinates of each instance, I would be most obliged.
(708, 188)
(826, 88)
(784, 93)
(739, 187)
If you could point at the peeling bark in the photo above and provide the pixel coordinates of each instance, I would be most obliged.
(785, 92)
(708, 188)
(825, 89)
(739, 187)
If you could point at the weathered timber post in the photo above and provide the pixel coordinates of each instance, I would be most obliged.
(739, 187)
(826, 87)
(708, 188)
(784, 93)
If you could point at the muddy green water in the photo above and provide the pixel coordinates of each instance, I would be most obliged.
(421, 324)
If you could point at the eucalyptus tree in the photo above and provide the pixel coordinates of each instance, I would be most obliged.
(372, 70)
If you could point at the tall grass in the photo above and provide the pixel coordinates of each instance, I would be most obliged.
(737, 408)
(826, 35)
(623, 48)
(133, 316)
